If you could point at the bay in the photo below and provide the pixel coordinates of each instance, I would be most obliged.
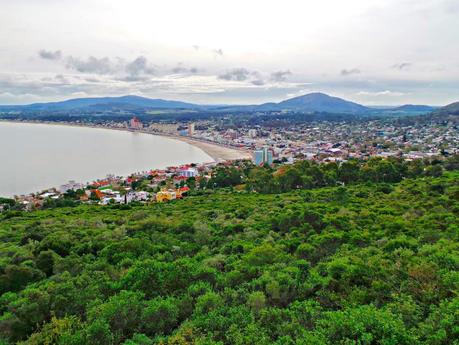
(34, 157)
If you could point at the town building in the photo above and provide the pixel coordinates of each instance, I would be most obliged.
(191, 128)
(189, 172)
(166, 195)
(263, 156)
(135, 124)
(253, 133)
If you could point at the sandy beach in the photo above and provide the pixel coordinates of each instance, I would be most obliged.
(218, 152)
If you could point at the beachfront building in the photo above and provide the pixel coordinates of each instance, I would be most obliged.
(191, 129)
(189, 172)
(263, 156)
(135, 124)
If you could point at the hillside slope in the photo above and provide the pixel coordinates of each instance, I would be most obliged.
(450, 109)
(105, 102)
(320, 102)
(414, 108)
(313, 102)
(326, 266)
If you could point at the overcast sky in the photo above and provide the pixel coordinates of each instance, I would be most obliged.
(376, 52)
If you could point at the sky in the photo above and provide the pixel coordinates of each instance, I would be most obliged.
(375, 52)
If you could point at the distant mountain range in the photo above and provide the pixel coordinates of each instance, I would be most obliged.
(309, 103)
(414, 108)
(110, 102)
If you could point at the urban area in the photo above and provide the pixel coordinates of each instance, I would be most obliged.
(321, 142)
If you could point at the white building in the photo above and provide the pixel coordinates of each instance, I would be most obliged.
(189, 172)
(263, 156)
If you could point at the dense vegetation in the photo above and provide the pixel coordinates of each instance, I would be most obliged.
(367, 263)
(306, 174)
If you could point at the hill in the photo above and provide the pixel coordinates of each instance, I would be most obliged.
(313, 102)
(320, 102)
(414, 108)
(365, 263)
(450, 109)
(106, 102)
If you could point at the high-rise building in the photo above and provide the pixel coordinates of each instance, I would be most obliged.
(263, 156)
(269, 156)
(135, 123)
(191, 129)
(258, 157)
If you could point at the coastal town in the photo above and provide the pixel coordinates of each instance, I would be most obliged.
(321, 142)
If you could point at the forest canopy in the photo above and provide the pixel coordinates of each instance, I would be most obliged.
(370, 262)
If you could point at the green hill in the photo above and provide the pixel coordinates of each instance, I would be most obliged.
(450, 109)
(363, 264)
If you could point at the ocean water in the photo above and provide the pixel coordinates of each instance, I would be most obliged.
(34, 157)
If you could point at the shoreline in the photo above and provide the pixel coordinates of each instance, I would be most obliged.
(218, 152)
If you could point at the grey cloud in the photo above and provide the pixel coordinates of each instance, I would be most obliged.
(346, 72)
(218, 51)
(280, 75)
(242, 74)
(236, 74)
(258, 82)
(92, 80)
(402, 66)
(91, 65)
(451, 6)
(196, 47)
(61, 78)
(139, 67)
(257, 78)
(184, 70)
(50, 55)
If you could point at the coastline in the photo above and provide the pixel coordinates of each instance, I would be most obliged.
(218, 152)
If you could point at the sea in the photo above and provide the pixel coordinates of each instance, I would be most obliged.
(35, 157)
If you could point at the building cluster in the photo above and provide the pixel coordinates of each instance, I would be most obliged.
(263, 156)
(337, 141)
(158, 185)
(321, 141)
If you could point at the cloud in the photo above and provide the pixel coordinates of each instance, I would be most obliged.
(135, 70)
(451, 7)
(139, 67)
(280, 75)
(180, 69)
(236, 74)
(61, 78)
(346, 72)
(254, 77)
(258, 82)
(402, 66)
(218, 51)
(381, 93)
(50, 55)
(91, 65)
(196, 47)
